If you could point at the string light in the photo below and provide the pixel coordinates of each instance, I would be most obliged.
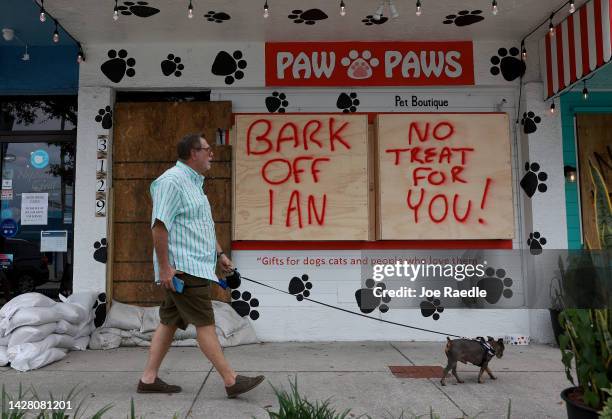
(523, 51)
(585, 92)
(552, 107)
(418, 8)
(80, 55)
(190, 10)
(43, 15)
(551, 27)
(342, 8)
(393, 10)
(55, 33)
(379, 11)
(572, 8)
(494, 9)
(116, 12)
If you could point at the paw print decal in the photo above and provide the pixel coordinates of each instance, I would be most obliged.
(172, 65)
(277, 102)
(300, 287)
(229, 66)
(534, 179)
(244, 304)
(529, 122)
(100, 251)
(359, 65)
(105, 117)
(217, 17)
(431, 307)
(510, 67)
(369, 20)
(308, 17)
(496, 284)
(118, 66)
(99, 309)
(139, 8)
(367, 301)
(464, 18)
(535, 243)
(347, 102)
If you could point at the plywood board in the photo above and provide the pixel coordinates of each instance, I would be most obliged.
(444, 177)
(289, 188)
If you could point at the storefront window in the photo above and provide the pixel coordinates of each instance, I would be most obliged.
(36, 230)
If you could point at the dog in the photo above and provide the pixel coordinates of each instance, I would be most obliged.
(475, 351)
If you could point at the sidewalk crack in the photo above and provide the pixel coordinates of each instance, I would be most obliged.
(199, 392)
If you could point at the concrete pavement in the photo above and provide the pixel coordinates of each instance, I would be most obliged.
(354, 374)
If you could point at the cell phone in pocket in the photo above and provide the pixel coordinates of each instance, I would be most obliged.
(179, 284)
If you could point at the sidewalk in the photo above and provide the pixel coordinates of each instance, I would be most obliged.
(355, 374)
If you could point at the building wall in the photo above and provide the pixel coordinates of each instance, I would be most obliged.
(282, 317)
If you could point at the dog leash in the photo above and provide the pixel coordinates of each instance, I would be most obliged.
(224, 285)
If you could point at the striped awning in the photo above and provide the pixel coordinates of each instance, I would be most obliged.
(580, 44)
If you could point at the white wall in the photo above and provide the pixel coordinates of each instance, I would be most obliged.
(282, 317)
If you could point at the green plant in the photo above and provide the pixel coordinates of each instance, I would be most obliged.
(292, 405)
(7, 412)
(587, 342)
(606, 413)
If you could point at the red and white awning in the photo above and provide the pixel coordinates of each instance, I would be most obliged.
(580, 44)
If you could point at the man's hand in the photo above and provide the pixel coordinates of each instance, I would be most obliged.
(226, 264)
(166, 273)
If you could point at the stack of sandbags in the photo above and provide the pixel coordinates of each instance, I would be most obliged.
(36, 331)
(127, 325)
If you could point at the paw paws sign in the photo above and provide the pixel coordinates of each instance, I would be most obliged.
(369, 63)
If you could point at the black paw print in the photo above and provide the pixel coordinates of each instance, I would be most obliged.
(228, 65)
(99, 309)
(118, 66)
(367, 301)
(535, 243)
(533, 180)
(369, 20)
(348, 103)
(309, 17)
(464, 18)
(277, 102)
(105, 117)
(300, 287)
(431, 307)
(100, 252)
(139, 8)
(511, 67)
(529, 122)
(496, 284)
(243, 304)
(217, 17)
(172, 65)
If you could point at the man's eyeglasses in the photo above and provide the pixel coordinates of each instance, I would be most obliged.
(207, 149)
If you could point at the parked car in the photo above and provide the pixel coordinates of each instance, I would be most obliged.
(29, 267)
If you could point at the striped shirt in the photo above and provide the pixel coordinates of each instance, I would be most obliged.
(180, 203)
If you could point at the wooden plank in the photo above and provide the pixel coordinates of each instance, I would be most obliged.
(131, 292)
(445, 176)
(220, 169)
(110, 256)
(327, 201)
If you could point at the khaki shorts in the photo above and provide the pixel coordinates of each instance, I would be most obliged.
(193, 306)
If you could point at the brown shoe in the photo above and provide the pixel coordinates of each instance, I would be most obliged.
(158, 386)
(243, 384)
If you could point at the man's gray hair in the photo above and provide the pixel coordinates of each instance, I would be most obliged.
(186, 144)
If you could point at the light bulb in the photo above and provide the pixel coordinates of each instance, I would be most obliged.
(379, 11)
(342, 8)
(418, 8)
(393, 10)
(55, 37)
(116, 12)
(494, 9)
(43, 15)
(552, 107)
(551, 28)
(585, 93)
(190, 11)
(266, 13)
(572, 8)
(80, 57)
(524, 54)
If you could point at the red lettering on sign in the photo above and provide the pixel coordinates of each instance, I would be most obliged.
(430, 208)
(311, 136)
(294, 205)
(442, 137)
(314, 170)
(264, 169)
(415, 207)
(271, 207)
(260, 138)
(334, 135)
(421, 136)
(488, 183)
(467, 210)
(292, 136)
(312, 210)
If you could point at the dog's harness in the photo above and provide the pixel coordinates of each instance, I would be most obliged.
(489, 351)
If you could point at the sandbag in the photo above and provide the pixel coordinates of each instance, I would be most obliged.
(80, 344)
(33, 349)
(67, 328)
(4, 340)
(73, 313)
(30, 299)
(29, 316)
(150, 319)
(84, 299)
(3, 356)
(104, 338)
(38, 361)
(124, 316)
(85, 330)
(26, 334)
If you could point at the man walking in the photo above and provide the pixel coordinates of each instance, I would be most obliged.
(185, 246)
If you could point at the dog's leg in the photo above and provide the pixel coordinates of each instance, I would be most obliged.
(482, 369)
(459, 380)
(490, 373)
(445, 374)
